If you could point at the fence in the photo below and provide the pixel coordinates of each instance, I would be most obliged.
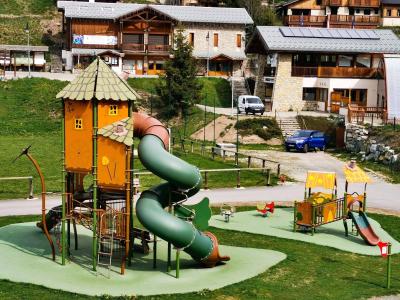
(206, 172)
(30, 182)
(212, 150)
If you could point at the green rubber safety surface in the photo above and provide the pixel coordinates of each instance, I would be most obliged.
(280, 224)
(26, 253)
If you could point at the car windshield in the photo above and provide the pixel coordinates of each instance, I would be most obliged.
(254, 100)
(302, 134)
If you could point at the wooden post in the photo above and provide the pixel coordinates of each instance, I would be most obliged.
(206, 180)
(238, 179)
(268, 177)
(263, 165)
(248, 161)
(191, 146)
(389, 267)
(155, 252)
(294, 216)
(278, 172)
(177, 263)
(223, 155)
(213, 153)
(236, 158)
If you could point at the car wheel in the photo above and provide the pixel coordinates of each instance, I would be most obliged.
(261, 113)
(323, 148)
(254, 113)
(305, 149)
(247, 112)
(287, 149)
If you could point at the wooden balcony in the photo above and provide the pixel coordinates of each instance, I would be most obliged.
(332, 3)
(133, 47)
(334, 72)
(306, 21)
(364, 3)
(94, 46)
(342, 21)
(158, 48)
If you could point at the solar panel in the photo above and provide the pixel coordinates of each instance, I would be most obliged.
(332, 33)
(285, 31)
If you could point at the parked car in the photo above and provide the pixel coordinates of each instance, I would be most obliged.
(305, 140)
(250, 104)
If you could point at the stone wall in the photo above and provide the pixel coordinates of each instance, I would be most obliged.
(288, 90)
(357, 141)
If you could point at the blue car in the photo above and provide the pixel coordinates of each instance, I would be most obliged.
(305, 140)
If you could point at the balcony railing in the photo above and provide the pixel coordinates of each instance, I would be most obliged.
(158, 48)
(332, 2)
(314, 21)
(133, 47)
(334, 72)
(353, 21)
(364, 3)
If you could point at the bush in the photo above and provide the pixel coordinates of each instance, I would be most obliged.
(265, 128)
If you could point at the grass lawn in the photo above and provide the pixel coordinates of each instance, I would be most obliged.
(309, 272)
(393, 175)
(26, 7)
(12, 30)
(217, 89)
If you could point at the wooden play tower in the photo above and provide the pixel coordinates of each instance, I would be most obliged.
(97, 163)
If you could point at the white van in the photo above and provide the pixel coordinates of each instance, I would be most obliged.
(250, 104)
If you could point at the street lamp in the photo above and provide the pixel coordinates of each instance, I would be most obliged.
(208, 52)
(29, 51)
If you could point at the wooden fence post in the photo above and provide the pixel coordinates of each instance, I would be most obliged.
(206, 180)
(236, 158)
(191, 146)
(238, 179)
(268, 177)
(278, 172)
(263, 165)
(248, 161)
(223, 154)
(213, 153)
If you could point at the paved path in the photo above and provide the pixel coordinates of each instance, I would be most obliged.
(380, 196)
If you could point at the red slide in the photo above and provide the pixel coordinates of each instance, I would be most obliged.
(364, 228)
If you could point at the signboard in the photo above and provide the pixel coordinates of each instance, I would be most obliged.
(384, 248)
(80, 39)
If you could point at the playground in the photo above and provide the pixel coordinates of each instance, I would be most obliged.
(103, 239)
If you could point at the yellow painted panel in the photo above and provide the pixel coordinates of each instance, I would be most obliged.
(356, 175)
(78, 139)
(325, 180)
(111, 163)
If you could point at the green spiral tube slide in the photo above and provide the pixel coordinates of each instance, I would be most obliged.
(183, 180)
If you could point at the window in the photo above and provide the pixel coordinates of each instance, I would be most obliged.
(191, 39)
(388, 12)
(318, 2)
(309, 94)
(327, 60)
(137, 39)
(215, 39)
(111, 60)
(113, 111)
(78, 124)
(158, 39)
(367, 12)
(358, 11)
(239, 40)
(345, 61)
(363, 61)
(398, 12)
(376, 11)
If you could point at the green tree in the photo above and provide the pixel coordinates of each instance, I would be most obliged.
(179, 88)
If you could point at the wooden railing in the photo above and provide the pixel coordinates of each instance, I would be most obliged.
(358, 113)
(349, 21)
(133, 47)
(365, 3)
(317, 21)
(158, 48)
(334, 72)
(332, 3)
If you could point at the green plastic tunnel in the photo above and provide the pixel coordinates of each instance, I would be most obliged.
(183, 180)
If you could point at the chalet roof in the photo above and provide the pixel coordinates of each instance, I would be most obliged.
(120, 131)
(234, 55)
(391, 2)
(100, 82)
(272, 38)
(91, 52)
(114, 11)
(24, 48)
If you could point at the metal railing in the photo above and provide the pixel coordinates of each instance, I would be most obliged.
(213, 153)
(30, 182)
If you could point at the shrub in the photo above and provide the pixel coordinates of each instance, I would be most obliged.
(265, 128)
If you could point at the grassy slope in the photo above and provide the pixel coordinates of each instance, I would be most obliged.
(213, 88)
(309, 272)
(30, 115)
(25, 7)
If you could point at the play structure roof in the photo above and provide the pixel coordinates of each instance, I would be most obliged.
(120, 131)
(99, 82)
(326, 180)
(356, 175)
